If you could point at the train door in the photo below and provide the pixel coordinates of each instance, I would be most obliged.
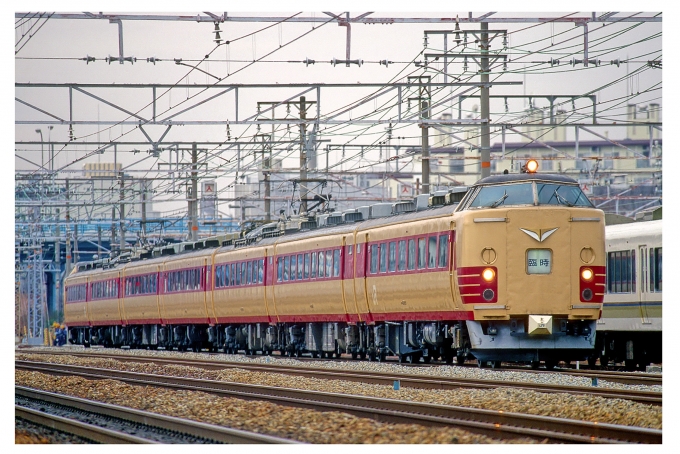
(361, 254)
(643, 288)
(269, 272)
(347, 276)
(270, 281)
(206, 281)
(452, 264)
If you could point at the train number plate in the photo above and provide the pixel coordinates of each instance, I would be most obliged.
(539, 261)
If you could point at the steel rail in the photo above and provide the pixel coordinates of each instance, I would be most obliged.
(81, 429)
(387, 378)
(488, 422)
(184, 426)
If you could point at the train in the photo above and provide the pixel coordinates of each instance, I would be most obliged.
(511, 268)
(629, 331)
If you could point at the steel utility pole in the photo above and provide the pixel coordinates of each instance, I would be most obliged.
(485, 140)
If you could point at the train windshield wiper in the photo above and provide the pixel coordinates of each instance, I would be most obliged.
(499, 201)
(562, 200)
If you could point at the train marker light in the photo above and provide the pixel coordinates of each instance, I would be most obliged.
(531, 166)
(488, 274)
(587, 274)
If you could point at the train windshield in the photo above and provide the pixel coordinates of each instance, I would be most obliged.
(561, 194)
(523, 194)
(507, 194)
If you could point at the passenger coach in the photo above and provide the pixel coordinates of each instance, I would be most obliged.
(513, 271)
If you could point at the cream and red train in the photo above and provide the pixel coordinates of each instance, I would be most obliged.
(515, 271)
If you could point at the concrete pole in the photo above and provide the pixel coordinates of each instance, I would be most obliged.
(193, 201)
(303, 157)
(484, 101)
(121, 223)
(267, 195)
(143, 226)
(426, 149)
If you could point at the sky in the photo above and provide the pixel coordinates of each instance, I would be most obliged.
(57, 52)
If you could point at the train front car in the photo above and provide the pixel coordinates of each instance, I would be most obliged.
(530, 264)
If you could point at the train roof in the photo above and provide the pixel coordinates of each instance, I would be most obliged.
(516, 177)
(634, 230)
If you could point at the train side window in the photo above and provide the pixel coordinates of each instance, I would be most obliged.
(658, 282)
(329, 263)
(249, 278)
(286, 268)
(432, 252)
(321, 266)
(306, 266)
(243, 273)
(654, 269)
(411, 254)
(422, 253)
(374, 258)
(293, 267)
(313, 263)
(621, 272)
(631, 273)
(401, 263)
(237, 278)
(279, 269)
(218, 276)
(300, 266)
(232, 275)
(392, 257)
(336, 263)
(383, 257)
(227, 275)
(443, 250)
(349, 249)
(260, 275)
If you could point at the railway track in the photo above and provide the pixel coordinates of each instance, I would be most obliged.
(388, 378)
(497, 424)
(87, 418)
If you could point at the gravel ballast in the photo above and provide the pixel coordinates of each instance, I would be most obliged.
(581, 407)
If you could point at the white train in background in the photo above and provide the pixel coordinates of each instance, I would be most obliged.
(629, 331)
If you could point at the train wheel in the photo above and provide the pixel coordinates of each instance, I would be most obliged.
(481, 364)
(382, 357)
(402, 358)
(355, 355)
(460, 360)
(495, 364)
(427, 359)
(316, 355)
(362, 355)
(371, 356)
(297, 353)
(535, 365)
(549, 365)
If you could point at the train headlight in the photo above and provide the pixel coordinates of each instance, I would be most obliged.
(488, 274)
(587, 274)
(532, 166)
